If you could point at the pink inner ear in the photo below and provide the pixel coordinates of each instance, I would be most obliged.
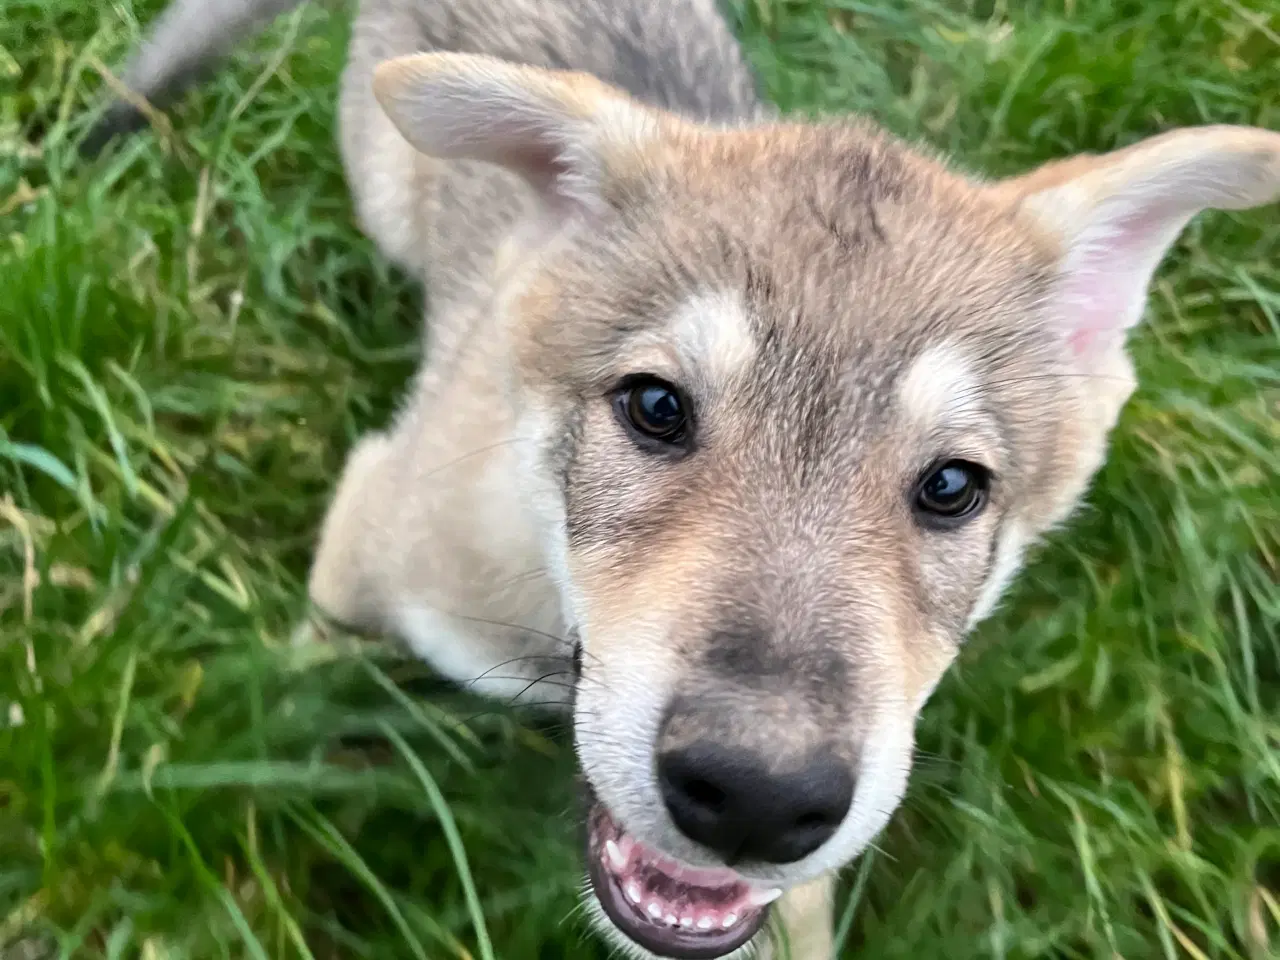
(564, 178)
(1107, 272)
(520, 143)
(537, 162)
(529, 134)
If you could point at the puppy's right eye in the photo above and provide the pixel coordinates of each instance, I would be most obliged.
(951, 493)
(654, 411)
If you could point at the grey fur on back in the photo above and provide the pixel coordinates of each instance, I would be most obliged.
(675, 54)
(444, 221)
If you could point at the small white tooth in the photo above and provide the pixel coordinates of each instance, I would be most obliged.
(671, 920)
(729, 921)
(705, 923)
(633, 892)
(615, 855)
(655, 911)
(762, 898)
(686, 922)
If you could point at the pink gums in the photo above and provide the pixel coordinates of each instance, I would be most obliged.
(662, 893)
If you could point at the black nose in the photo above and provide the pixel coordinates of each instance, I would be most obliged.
(727, 800)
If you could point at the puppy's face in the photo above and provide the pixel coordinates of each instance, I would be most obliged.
(799, 401)
(793, 441)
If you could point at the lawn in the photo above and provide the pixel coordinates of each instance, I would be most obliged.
(192, 334)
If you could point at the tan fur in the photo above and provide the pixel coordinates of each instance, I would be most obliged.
(804, 915)
(842, 311)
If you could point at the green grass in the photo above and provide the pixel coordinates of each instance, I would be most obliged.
(191, 335)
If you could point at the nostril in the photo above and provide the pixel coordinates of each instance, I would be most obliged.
(704, 805)
(813, 820)
(704, 794)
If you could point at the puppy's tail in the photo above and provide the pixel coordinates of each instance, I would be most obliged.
(184, 39)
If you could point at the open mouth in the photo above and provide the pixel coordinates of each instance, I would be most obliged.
(666, 907)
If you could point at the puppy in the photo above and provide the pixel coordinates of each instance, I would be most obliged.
(765, 414)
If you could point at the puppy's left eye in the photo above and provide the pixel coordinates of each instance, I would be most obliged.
(951, 493)
(654, 410)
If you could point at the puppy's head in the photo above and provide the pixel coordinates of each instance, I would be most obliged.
(802, 398)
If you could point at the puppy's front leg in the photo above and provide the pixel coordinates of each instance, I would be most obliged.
(804, 920)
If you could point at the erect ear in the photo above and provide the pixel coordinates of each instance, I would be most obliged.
(1116, 215)
(566, 133)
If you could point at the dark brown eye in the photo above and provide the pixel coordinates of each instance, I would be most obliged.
(952, 492)
(655, 410)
